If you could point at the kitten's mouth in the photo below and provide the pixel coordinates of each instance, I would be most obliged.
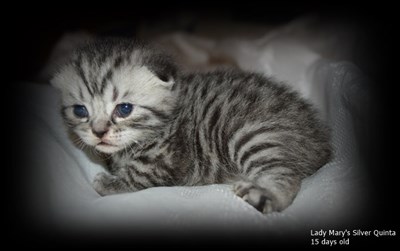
(106, 147)
(105, 144)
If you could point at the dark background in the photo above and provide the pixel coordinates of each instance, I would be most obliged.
(32, 30)
(38, 28)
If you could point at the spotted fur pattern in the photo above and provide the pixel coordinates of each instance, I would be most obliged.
(225, 126)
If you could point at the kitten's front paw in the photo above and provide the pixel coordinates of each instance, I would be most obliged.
(106, 184)
(258, 197)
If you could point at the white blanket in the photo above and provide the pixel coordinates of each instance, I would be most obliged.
(62, 193)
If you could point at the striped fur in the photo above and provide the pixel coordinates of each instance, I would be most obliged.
(224, 126)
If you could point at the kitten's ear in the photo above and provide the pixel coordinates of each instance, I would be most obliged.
(62, 77)
(56, 82)
(166, 75)
(164, 68)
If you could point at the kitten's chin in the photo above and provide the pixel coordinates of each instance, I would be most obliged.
(105, 148)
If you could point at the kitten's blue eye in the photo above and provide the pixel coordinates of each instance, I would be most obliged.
(80, 111)
(123, 110)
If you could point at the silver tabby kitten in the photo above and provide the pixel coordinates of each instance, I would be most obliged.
(162, 128)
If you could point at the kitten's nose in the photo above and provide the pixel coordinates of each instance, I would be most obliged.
(100, 133)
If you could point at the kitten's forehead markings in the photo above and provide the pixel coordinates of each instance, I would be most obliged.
(80, 93)
(81, 73)
(107, 77)
(126, 94)
(109, 95)
(115, 94)
(91, 73)
(109, 69)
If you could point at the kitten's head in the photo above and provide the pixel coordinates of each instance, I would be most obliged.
(116, 93)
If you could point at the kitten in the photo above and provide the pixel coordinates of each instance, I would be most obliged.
(163, 128)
